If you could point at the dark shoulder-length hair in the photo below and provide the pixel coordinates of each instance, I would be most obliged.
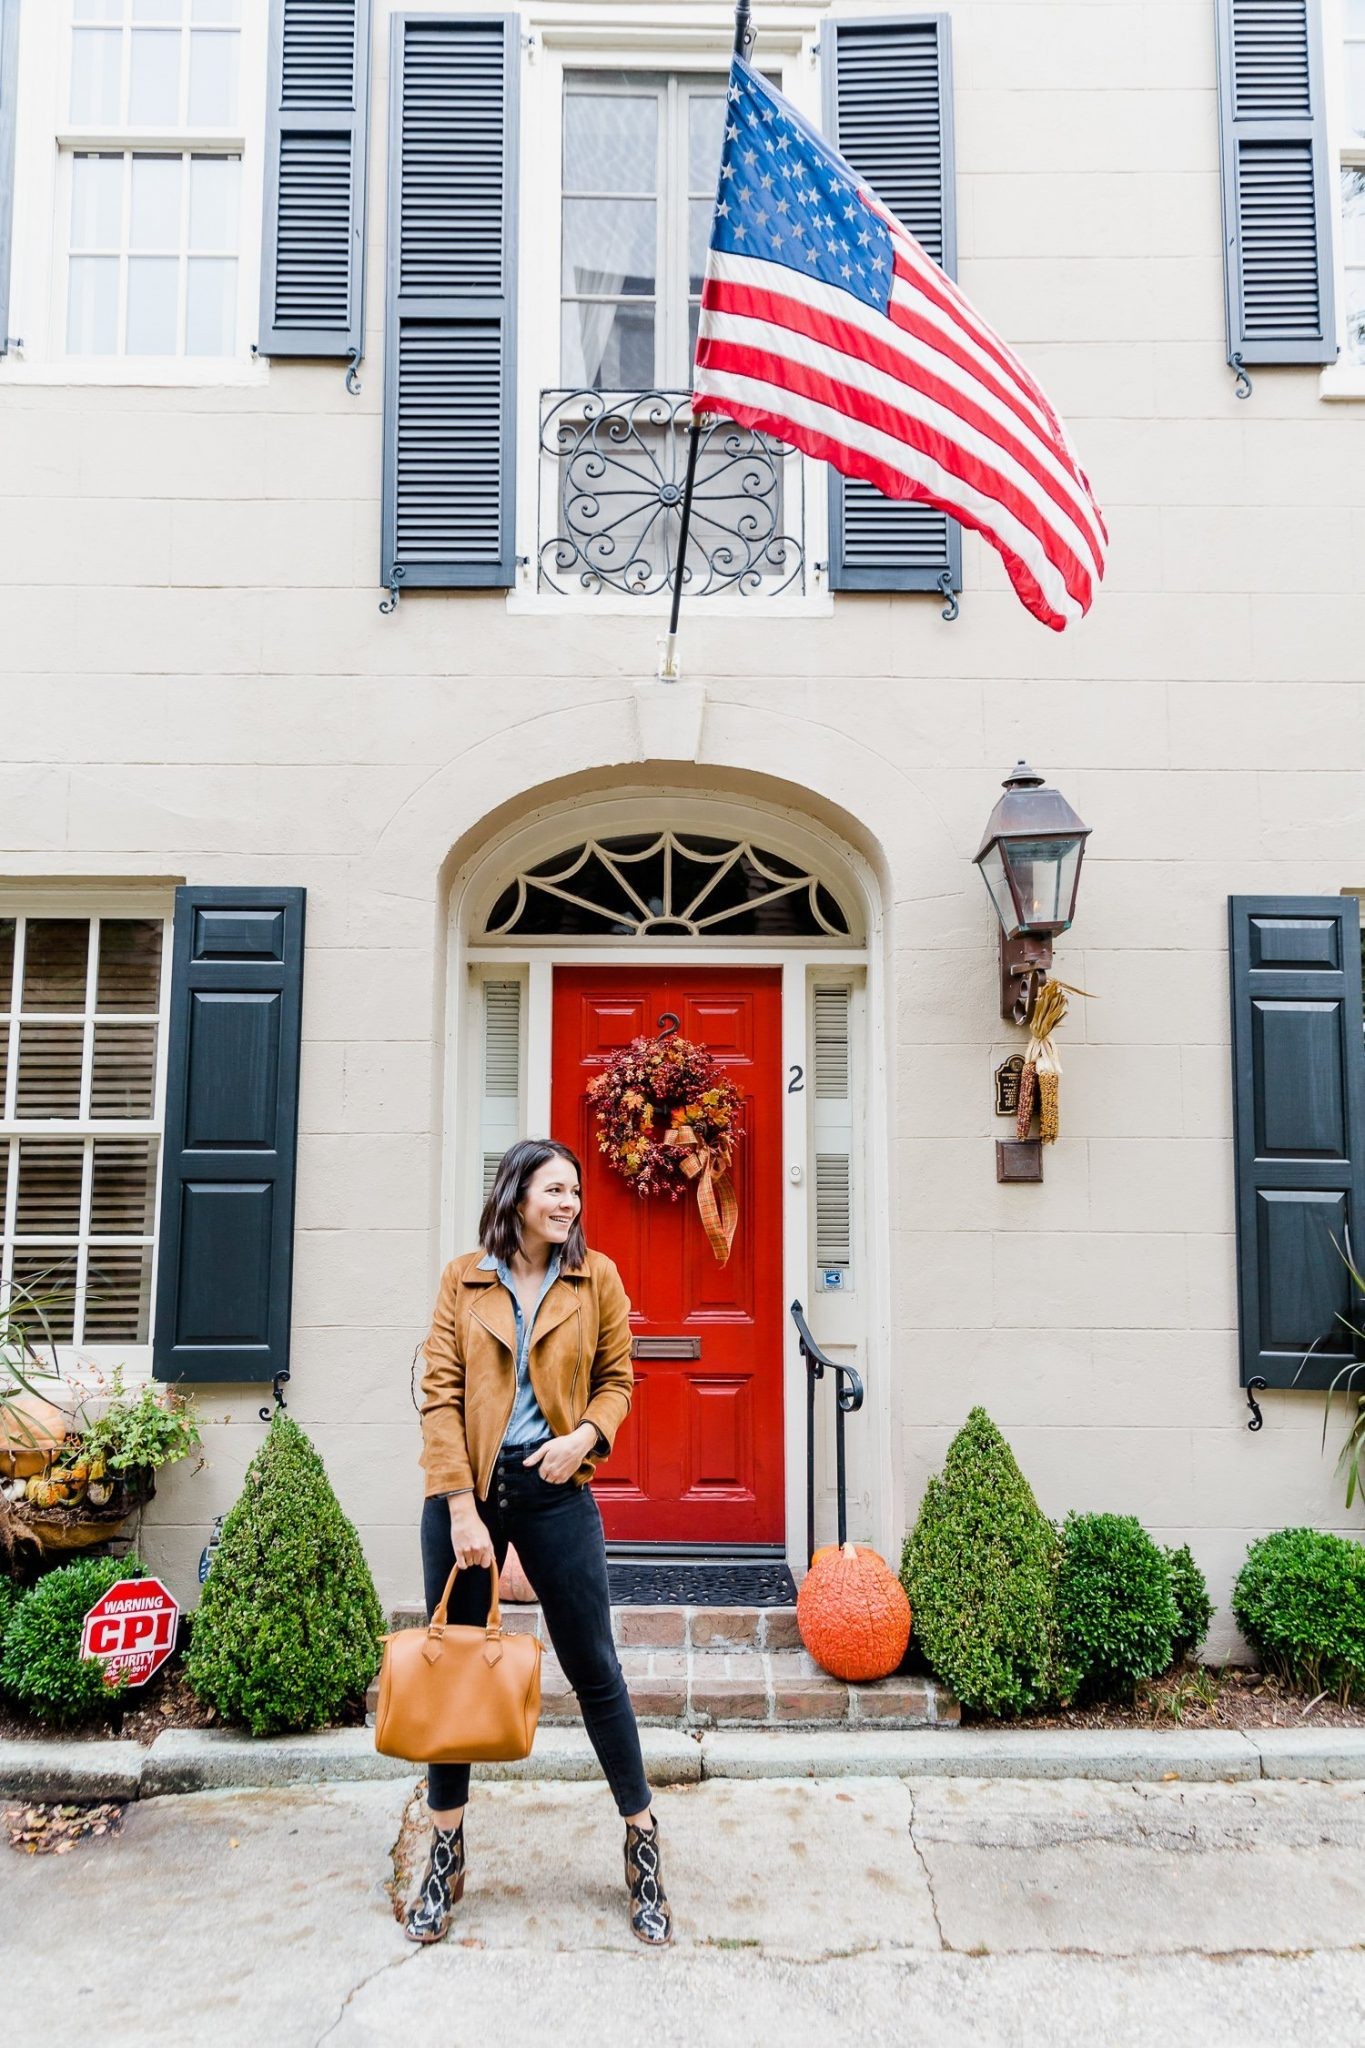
(500, 1225)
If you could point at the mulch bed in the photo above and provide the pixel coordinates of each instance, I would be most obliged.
(1196, 1696)
(164, 1702)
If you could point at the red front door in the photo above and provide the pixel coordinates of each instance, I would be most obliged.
(700, 1457)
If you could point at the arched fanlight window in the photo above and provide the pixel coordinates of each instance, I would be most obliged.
(667, 885)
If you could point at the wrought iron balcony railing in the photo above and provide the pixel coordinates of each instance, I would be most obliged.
(612, 466)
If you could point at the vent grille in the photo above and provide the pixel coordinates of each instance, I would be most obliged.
(1277, 226)
(319, 53)
(501, 1037)
(882, 533)
(312, 258)
(449, 450)
(833, 1209)
(452, 170)
(831, 1044)
(1270, 60)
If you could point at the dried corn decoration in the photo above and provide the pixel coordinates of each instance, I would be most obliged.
(1042, 1075)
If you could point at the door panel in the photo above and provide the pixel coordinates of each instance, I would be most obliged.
(699, 1459)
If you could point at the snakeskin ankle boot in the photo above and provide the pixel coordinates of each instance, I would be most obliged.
(442, 1887)
(651, 1918)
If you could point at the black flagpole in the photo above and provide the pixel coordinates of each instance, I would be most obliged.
(668, 668)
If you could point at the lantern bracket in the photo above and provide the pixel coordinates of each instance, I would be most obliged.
(1025, 963)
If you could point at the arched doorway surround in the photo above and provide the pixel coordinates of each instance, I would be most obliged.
(649, 886)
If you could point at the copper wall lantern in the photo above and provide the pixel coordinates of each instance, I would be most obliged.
(1030, 861)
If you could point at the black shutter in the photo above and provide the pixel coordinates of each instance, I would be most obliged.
(889, 110)
(313, 242)
(1298, 1072)
(449, 367)
(225, 1249)
(1278, 182)
(9, 115)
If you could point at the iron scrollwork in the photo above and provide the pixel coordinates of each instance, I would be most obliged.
(612, 489)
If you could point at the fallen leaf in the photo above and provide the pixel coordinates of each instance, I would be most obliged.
(1168, 1776)
(232, 1842)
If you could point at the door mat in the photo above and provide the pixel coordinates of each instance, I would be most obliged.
(673, 1582)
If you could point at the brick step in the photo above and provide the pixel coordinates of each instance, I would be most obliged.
(709, 1667)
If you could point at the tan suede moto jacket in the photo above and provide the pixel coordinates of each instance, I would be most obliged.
(580, 1367)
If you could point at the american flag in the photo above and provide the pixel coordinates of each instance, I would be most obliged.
(825, 323)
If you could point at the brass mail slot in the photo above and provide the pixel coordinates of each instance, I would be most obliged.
(665, 1347)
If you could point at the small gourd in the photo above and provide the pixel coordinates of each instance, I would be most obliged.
(42, 1493)
(852, 1612)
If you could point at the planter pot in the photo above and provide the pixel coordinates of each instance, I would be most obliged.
(57, 1529)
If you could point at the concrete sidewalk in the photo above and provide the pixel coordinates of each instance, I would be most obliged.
(810, 1914)
(207, 1760)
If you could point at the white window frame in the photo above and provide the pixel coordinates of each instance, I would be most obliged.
(651, 43)
(45, 901)
(1345, 378)
(47, 140)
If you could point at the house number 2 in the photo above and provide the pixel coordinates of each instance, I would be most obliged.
(797, 1081)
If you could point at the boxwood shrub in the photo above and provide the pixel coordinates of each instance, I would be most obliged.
(1300, 1602)
(288, 1629)
(1117, 1617)
(979, 1567)
(1189, 1590)
(11, 1594)
(41, 1667)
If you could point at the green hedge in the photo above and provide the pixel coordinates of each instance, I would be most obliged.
(41, 1667)
(1189, 1590)
(288, 1629)
(1300, 1602)
(1117, 1617)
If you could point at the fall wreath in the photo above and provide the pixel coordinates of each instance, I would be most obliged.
(667, 1116)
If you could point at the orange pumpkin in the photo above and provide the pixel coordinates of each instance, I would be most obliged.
(513, 1584)
(852, 1612)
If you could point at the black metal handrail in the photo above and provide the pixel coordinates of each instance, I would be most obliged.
(848, 1399)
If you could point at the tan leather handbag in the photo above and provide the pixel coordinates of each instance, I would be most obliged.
(454, 1694)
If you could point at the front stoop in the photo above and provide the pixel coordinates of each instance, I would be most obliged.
(727, 1667)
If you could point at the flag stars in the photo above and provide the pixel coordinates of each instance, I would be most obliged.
(781, 205)
(748, 157)
(731, 132)
(727, 169)
(723, 210)
(766, 181)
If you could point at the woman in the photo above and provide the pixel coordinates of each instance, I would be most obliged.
(528, 1378)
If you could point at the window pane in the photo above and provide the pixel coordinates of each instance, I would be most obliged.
(153, 282)
(122, 1186)
(609, 347)
(693, 317)
(213, 203)
(56, 955)
(95, 63)
(130, 963)
(97, 10)
(700, 213)
(48, 1273)
(705, 134)
(216, 10)
(96, 202)
(1355, 314)
(92, 306)
(1355, 17)
(1353, 213)
(609, 249)
(211, 312)
(158, 10)
(156, 204)
(6, 960)
(1355, 86)
(213, 80)
(124, 1077)
(154, 95)
(118, 1291)
(49, 1197)
(49, 1070)
(611, 143)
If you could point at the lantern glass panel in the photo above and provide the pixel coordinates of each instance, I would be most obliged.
(993, 875)
(1044, 874)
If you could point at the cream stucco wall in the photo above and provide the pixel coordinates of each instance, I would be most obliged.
(197, 683)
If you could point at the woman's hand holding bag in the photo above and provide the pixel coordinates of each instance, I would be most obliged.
(451, 1693)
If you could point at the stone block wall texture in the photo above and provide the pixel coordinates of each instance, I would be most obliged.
(197, 684)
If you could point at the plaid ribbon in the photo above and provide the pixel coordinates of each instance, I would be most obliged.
(717, 1202)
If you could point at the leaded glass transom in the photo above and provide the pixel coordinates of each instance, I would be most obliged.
(667, 885)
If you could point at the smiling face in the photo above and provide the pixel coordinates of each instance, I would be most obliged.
(549, 1208)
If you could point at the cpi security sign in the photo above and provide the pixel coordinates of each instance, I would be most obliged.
(130, 1630)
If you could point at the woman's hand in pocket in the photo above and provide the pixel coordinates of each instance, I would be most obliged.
(559, 1459)
(468, 1533)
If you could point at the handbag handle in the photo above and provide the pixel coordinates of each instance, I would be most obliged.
(493, 1626)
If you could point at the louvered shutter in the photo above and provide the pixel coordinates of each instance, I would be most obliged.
(225, 1249)
(9, 113)
(889, 108)
(500, 1105)
(313, 243)
(449, 441)
(1277, 182)
(1298, 1071)
(832, 1112)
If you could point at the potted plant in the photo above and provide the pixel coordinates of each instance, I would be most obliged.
(100, 1473)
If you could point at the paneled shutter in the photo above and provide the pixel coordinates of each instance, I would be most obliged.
(832, 1109)
(225, 1250)
(1298, 1071)
(313, 243)
(500, 1105)
(9, 114)
(449, 441)
(1278, 182)
(889, 108)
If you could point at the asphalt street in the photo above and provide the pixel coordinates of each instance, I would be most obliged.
(939, 1910)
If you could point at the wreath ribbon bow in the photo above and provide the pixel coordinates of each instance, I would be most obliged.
(717, 1202)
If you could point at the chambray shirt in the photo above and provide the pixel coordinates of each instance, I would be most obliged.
(528, 1424)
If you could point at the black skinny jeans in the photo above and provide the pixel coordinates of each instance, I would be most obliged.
(558, 1534)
